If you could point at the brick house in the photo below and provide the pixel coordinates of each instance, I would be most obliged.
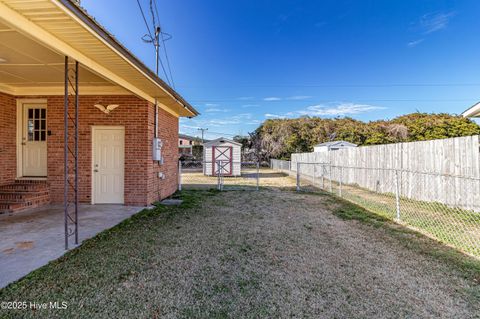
(186, 143)
(73, 99)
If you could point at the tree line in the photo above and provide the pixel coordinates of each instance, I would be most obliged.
(278, 138)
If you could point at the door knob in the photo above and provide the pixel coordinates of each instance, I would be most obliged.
(95, 170)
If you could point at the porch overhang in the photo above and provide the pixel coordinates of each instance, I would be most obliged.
(36, 35)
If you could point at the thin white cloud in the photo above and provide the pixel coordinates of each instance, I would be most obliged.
(211, 104)
(250, 105)
(433, 22)
(412, 44)
(341, 109)
(272, 98)
(245, 98)
(299, 97)
(216, 110)
(185, 126)
(338, 110)
(275, 116)
(237, 119)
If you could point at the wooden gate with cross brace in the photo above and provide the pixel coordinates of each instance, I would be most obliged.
(222, 160)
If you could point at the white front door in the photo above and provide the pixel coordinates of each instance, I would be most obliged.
(34, 140)
(108, 161)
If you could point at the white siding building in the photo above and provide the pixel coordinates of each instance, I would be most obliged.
(332, 146)
(223, 154)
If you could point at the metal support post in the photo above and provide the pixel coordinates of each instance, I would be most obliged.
(65, 152)
(71, 214)
(77, 106)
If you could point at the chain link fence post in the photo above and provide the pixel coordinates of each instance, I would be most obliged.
(179, 175)
(341, 180)
(330, 178)
(258, 175)
(323, 175)
(298, 176)
(397, 195)
(217, 167)
(313, 175)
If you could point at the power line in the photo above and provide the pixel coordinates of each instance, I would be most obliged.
(144, 19)
(335, 85)
(226, 134)
(151, 39)
(163, 42)
(168, 60)
(318, 101)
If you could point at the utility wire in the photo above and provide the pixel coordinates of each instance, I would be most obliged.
(336, 85)
(163, 40)
(151, 38)
(168, 60)
(157, 44)
(144, 19)
(332, 100)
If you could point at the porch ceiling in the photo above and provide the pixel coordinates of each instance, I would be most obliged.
(27, 67)
(35, 35)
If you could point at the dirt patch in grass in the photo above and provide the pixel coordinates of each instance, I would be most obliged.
(243, 254)
(268, 178)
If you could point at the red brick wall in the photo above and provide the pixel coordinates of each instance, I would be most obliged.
(168, 133)
(8, 151)
(142, 185)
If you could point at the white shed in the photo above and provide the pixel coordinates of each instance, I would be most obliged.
(223, 154)
(332, 146)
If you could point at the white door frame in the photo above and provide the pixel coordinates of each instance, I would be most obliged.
(20, 129)
(98, 128)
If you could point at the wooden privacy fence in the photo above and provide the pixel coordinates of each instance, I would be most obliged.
(445, 171)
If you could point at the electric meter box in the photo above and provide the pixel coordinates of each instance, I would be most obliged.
(157, 149)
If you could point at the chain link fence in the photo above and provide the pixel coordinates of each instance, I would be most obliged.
(280, 165)
(444, 207)
(221, 175)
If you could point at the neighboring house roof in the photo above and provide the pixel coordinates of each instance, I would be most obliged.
(53, 29)
(473, 111)
(336, 143)
(187, 137)
(221, 140)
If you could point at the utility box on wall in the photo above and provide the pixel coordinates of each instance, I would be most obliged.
(157, 149)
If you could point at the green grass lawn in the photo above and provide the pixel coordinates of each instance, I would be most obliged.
(271, 253)
(450, 225)
(103, 261)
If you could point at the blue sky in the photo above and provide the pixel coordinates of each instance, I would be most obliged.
(241, 62)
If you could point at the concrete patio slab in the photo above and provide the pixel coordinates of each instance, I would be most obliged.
(31, 239)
